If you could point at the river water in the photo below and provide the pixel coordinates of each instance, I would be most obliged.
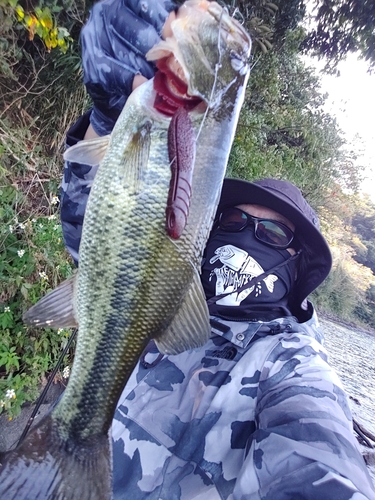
(352, 354)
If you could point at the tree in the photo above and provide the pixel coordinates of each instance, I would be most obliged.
(283, 131)
(333, 29)
(340, 27)
(363, 222)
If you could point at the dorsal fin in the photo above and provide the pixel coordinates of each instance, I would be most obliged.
(190, 327)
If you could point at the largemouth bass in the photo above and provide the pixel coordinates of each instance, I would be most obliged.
(141, 248)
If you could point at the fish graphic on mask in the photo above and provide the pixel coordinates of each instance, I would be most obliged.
(238, 269)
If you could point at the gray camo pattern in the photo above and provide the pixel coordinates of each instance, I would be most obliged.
(256, 413)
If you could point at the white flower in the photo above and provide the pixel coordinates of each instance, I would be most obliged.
(2, 403)
(54, 200)
(51, 217)
(7, 309)
(21, 253)
(43, 275)
(41, 226)
(55, 227)
(10, 394)
(66, 372)
(33, 220)
(11, 229)
(21, 225)
(59, 331)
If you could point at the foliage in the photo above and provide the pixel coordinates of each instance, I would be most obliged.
(32, 260)
(42, 23)
(341, 27)
(346, 290)
(41, 94)
(284, 133)
(333, 29)
(363, 242)
(258, 18)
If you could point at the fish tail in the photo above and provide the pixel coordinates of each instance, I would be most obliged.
(47, 467)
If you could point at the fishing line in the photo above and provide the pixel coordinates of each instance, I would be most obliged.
(48, 385)
(238, 16)
(217, 67)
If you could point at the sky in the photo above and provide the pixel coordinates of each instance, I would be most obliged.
(352, 100)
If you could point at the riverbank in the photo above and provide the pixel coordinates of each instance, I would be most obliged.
(347, 324)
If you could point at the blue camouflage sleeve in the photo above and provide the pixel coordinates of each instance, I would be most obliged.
(75, 189)
(304, 446)
(114, 41)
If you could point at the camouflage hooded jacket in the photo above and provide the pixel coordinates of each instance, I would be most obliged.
(256, 413)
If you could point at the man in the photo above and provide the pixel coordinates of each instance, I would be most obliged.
(256, 412)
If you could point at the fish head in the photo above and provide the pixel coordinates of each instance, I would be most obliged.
(207, 54)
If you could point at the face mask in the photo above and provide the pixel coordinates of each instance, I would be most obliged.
(234, 259)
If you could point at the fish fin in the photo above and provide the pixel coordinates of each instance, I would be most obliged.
(269, 281)
(190, 327)
(56, 309)
(47, 467)
(136, 155)
(89, 152)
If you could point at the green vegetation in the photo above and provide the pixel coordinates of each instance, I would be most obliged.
(33, 260)
(283, 133)
(341, 27)
(40, 95)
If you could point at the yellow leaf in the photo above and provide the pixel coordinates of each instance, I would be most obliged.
(46, 18)
(20, 12)
(31, 23)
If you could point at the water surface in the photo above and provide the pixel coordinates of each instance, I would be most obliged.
(352, 354)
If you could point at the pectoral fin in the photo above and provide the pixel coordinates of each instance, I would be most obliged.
(56, 309)
(90, 152)
(190, 327)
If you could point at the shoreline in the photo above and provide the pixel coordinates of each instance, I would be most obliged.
(339, 321)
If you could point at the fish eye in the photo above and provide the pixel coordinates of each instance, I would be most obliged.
(235, 55)
(237, 62)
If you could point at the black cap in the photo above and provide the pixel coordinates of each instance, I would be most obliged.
(287, 199)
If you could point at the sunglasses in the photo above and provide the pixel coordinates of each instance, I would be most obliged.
(270, 232)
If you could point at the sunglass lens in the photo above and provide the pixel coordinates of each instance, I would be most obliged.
(232, 219)
(274, 234)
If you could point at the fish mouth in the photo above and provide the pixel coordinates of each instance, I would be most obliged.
(171, 87)
(201, 60)
(171, 80)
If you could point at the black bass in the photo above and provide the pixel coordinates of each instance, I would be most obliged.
(144, 233)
